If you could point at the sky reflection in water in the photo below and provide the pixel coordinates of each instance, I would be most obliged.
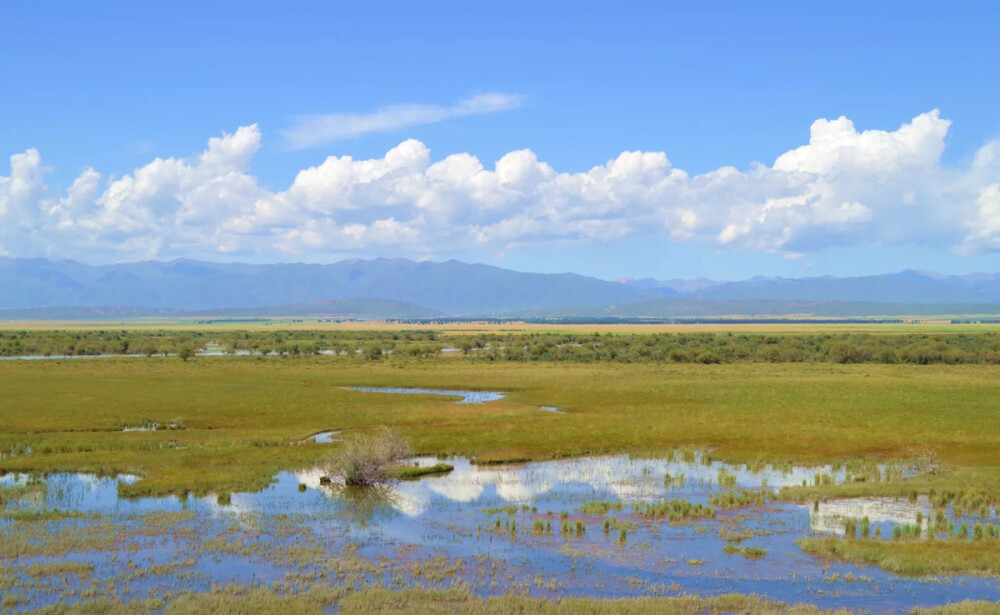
(445, 516)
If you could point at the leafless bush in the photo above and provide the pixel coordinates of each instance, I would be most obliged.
(922, 459)
(369, 459)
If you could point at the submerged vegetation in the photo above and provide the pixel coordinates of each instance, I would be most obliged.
(674, 511)
(739, 498)
(747, 552)
(600, 507)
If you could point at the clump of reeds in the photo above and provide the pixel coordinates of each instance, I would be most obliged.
(851, 528)
(601, 507)
(747, 552)
(740, 498)
(676, 510)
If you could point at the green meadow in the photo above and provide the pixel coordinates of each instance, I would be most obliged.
(242, 416)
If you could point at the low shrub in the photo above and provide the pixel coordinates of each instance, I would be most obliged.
(370, 459)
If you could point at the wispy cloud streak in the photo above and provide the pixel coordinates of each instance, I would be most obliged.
(314, 130)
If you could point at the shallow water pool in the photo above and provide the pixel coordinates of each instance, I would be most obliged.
(522, 529)
(467, 397)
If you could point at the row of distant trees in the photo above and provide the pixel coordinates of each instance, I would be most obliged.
(707, 348)
(188, 343)
(756, 349)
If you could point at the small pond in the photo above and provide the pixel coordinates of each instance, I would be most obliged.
(467, 397)
(325, 437)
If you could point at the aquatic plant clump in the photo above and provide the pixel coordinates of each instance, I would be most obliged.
(747, 552)
(600, 507)
(370, 459)
(676, 510)
(740, 498)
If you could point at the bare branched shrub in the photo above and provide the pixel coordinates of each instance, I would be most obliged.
(922, 459)
(370, 459)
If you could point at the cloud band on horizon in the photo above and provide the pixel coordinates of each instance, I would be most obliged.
(844, 187)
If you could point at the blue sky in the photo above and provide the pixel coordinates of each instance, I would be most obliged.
(101, 90)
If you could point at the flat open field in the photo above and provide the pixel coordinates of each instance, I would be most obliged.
(916, 324)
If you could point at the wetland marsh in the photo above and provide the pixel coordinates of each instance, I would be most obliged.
(588, 527)
(153, 482)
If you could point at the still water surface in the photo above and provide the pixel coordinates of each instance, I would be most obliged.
(451, 522)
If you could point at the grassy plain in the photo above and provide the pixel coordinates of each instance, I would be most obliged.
(914, 324)
(240, 416)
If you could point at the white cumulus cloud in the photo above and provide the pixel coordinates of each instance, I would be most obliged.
(844, 187)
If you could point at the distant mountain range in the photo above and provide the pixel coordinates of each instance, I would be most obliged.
(335, 309)
(908, 286)
(450, 287)
(689, 307)
(400, 288)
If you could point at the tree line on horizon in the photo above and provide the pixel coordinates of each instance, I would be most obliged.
(704, 348)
